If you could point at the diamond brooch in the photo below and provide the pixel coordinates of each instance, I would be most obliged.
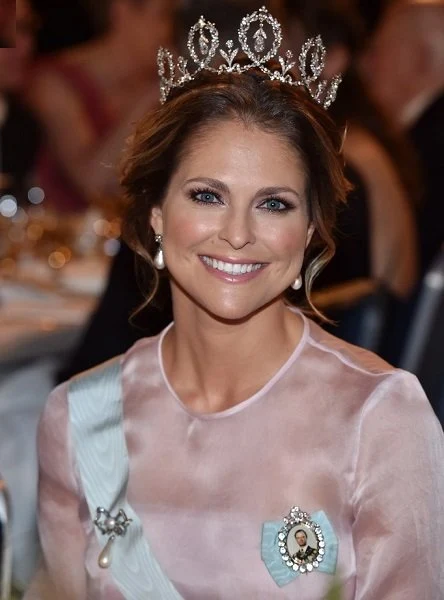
(112, 526)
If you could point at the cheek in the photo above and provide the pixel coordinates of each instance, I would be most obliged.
(185, 231)
(289, 240)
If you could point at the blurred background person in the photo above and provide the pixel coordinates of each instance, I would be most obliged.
(404, 66)
(376, 237)
(19, 131)
(87, 96)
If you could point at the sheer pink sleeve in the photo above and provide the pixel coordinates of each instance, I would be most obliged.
(62, 536)
(399, 495)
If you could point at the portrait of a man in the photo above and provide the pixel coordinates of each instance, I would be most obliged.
(305, 553)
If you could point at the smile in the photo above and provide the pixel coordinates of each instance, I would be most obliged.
(231, 268)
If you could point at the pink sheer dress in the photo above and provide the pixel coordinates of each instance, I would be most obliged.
(335, 430)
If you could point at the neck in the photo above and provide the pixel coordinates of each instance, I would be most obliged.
(215, 365)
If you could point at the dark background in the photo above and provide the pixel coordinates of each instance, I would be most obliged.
(65, 22)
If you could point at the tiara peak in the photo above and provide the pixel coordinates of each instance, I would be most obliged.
(259, 46)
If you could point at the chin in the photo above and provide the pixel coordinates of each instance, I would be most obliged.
(232, 310)
(233, 313)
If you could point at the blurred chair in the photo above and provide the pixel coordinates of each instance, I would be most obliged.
(424, 350)
(5, 544)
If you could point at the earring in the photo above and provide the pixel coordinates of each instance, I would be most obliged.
(159, 262)
(297, 283)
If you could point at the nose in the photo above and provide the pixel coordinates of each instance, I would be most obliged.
(237, 228)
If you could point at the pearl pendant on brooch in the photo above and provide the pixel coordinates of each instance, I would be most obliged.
(105, 556)
(112, 527)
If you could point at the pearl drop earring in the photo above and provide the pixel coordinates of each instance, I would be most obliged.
(159, 261)
(297, 283)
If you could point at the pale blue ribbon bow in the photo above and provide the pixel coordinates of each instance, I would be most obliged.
(272, 558)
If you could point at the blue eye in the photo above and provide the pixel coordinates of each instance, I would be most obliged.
(205, 197)
(276, 205)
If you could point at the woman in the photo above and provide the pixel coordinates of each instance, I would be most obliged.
(243, 422)
(88, 97)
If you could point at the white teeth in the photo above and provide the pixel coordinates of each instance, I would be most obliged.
(231, 268)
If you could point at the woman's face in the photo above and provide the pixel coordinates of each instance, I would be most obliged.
(234, 221)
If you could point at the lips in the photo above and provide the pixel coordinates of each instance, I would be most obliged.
(231, 268)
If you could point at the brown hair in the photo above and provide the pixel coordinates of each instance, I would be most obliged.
(158, 144)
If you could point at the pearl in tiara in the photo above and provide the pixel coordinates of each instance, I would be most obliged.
(259, 38)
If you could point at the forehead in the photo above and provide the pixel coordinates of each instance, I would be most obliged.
(231, 146)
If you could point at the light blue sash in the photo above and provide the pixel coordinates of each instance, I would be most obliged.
(96, 419)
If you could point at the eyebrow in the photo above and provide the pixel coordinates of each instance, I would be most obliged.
(222, 187)
(215, 183)
(270, 191)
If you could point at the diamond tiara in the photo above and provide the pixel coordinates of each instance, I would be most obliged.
(259, 47)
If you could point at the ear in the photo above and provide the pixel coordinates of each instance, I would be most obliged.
(310, 232)
(156, 220)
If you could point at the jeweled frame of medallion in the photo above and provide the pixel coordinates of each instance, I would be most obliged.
(299, 518)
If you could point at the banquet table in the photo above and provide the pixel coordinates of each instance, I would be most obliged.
(42, 316)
